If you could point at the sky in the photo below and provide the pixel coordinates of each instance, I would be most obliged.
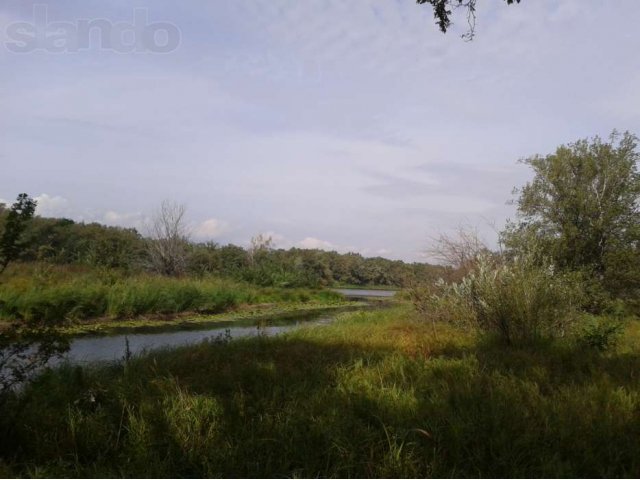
(346, 125)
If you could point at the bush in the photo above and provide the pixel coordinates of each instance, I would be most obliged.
(601, 333)
(518, 301)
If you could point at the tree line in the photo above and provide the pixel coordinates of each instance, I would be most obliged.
(167, 250)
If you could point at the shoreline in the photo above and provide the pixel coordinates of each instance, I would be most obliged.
(195, 320)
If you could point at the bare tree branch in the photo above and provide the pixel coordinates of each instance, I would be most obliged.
(459, 250)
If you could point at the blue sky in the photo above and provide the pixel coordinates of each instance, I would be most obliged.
(341, 125)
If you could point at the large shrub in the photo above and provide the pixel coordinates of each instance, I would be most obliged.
(519, 301)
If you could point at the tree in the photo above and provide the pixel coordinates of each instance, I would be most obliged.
(10, 241)
(25, 346)
(443, 10)
(259, 248)
(459, 250)
(169, 239)
(582, 207)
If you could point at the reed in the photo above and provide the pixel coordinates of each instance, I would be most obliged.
(58, 295)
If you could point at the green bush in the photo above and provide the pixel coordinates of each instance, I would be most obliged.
(518, 301)
(601, 333)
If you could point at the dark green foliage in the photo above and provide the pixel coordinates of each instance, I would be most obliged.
(582, 209)
(319, 268)
(601, 333)
(15, 223)
(63, 241)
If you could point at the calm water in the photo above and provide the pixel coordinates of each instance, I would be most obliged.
(364, 293)
(113, 347)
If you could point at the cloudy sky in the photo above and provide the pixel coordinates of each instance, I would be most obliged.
(353, 125)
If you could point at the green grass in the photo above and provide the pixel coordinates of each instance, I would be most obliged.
(57, 294)
(187, 320)
(377, 394)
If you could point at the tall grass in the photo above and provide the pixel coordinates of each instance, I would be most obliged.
(54, 296)
(374, 395)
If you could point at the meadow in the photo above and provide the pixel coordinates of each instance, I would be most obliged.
(375, 394)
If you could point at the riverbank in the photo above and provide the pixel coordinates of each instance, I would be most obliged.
(80, 301)
(193, 320)
(350, 286)
(374, 394)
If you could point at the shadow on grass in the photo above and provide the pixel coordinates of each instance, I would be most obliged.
(551, 363)
(297, 406)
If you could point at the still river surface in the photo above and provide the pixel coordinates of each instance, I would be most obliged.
(86, 349)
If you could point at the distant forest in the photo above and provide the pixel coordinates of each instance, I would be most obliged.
(63, 241)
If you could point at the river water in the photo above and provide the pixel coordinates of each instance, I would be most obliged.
(87, 349)
(364, 293)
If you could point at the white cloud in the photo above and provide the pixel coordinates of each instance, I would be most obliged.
(313, 243)
(52, 206)
(56, 206)
(316, 243)
(211, 228)
(310, 243)
(119, 219)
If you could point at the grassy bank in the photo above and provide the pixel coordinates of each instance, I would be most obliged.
(376, 394)
(190, 320)
(350, 286)
(57, 294)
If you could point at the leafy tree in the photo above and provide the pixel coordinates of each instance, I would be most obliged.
(25, 346)
(443, 10)
(582, 208)
(111, 247)
(63, 241)
(232, 259)
(10, 241)
(50, 239)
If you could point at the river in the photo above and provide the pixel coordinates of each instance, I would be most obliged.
(88, 349)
